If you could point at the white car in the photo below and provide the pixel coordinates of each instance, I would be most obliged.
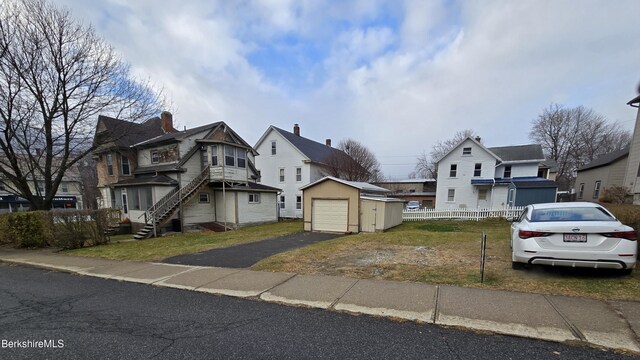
(413, 205)
(575, 234)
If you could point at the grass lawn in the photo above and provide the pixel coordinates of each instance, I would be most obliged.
(448, 252)
(177, 244)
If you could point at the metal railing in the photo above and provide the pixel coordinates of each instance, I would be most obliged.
(170, 201)
(463, 214)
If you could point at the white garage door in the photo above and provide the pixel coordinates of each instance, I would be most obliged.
(329, 215)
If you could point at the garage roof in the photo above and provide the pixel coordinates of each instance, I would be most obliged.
(363, 186)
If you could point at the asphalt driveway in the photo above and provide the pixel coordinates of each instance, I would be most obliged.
(245, 255)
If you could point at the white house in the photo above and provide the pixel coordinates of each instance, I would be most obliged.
(288, 161)
(200, 176)
(473, 176)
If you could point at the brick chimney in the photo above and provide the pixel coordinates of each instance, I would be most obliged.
(296, 129)
(167, 122)
(478, 138)
(328, 142)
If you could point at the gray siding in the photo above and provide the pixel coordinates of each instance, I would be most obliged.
(612, 174)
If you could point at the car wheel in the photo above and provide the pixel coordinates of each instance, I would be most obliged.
(517, 265)
(626, 271)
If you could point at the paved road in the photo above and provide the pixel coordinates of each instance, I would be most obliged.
(97, 318)
(243, 256)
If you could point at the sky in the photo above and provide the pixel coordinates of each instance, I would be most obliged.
(397, 76)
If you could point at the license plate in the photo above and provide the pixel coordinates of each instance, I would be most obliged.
(574, 237)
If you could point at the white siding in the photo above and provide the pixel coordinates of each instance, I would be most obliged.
(265, 211)
(196, 212)
(466, 195)
(519, 170)
(288, 158)
(230, 207)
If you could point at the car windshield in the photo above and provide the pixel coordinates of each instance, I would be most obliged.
(571, 214)
(413, 203)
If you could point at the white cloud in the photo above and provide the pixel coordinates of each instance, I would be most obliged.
(398, 87)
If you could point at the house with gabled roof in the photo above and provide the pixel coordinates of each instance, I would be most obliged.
(474, 176)
(605, 171)
(201, 176)
(289, 161)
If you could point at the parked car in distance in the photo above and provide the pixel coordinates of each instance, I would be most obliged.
(575, 234)
(413, 205)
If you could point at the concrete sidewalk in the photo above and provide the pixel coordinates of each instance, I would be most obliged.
(612, 324)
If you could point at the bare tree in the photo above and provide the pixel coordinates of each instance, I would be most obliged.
(56, 76)
(355, 162)
(427, 163)
(575, 136)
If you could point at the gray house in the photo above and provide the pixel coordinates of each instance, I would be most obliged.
(607, 170)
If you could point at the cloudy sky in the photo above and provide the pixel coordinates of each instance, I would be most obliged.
(397, 76)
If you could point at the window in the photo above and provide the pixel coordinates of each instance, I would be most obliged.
(64, 187)
(242, 158)
(282, 201)
(298, 202)
(298, 174)
(482, 194)
(451, 194)
(507, 172)
(281, 175)
(203, 198)
(453, 170)
(41, 187)
(229, 155)
(581, 191)
(254, 198)
(214, 155)
(109, 164)
(2, 187)
(134, 196)
(638, 174)
(155, 158)
(596, 190)
(126, 169)
(466, 151)
(477, 171)
(113, 198)
(273, 147)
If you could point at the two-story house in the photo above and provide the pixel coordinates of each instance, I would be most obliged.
(473, 176)
(605, 171)
(632, 173)
(290, 161)
(202, 175)
(68, 196)
(422, 190)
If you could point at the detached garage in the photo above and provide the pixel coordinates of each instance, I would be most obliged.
(335, 205)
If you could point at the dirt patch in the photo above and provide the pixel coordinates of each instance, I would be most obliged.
(376, 261)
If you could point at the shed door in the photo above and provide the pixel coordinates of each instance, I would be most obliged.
(329, 215)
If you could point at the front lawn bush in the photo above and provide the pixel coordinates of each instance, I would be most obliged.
(68, 229)
(628, 214)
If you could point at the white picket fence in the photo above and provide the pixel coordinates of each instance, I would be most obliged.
(462, 214)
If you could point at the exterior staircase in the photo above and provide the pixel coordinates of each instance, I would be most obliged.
(161, 211)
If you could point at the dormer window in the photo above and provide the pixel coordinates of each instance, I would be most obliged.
(466, 151)
(109, 164)
(242, 158)
(229, 155)
(214, 155)
(126, 169)
(507, 172)
(155, 157)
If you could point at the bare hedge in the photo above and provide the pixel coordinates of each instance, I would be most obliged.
(67, 229)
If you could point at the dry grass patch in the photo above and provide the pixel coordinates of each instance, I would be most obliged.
(155, 249)
(447, 252)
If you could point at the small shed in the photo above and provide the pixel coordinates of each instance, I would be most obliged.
(526, 192)
(335, 205)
